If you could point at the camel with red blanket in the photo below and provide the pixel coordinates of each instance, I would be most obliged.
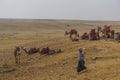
(108, 32)
(94, 35)
(73, 34)
(48, 51)
(85, 36)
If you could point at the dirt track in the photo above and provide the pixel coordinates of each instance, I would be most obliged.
(38, 33)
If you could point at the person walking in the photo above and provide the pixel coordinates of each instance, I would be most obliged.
(81, 61)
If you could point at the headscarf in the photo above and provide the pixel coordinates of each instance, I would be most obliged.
(80, 49)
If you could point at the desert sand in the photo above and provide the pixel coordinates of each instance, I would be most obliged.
(38, 33)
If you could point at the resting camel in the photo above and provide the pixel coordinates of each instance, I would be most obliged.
(31, 50)
(85, 36)
(106, 32)
(94, 35)
(17, 54)
(48, 51)
(117, 36)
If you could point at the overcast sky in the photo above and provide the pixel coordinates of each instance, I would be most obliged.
(61, 9)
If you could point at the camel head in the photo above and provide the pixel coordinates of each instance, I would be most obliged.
(18, 48)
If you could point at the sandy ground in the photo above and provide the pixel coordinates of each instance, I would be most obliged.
(38, 33)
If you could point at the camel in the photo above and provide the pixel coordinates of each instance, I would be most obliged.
(112, 34)
(31, 50)
(17, 54)
(99, 29)
(74, 36)
(117, 36)
(45, 50)
(107, 32)
(93, 34)
(99, 33)
(85, 36)
(48, 51)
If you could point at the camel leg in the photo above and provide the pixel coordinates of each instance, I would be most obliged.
(105, 37)
(16, 60)
(19, 59)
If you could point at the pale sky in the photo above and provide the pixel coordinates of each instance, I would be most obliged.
(61, 9)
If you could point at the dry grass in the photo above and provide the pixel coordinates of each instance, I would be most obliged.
(62, 66)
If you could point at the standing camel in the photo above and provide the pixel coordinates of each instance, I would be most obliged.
(99, 33)
(99, 29)
(17, 54)
(73, 34)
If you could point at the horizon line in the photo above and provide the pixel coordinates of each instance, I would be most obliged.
(57, 19)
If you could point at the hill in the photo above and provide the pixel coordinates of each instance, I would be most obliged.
(38, 33)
